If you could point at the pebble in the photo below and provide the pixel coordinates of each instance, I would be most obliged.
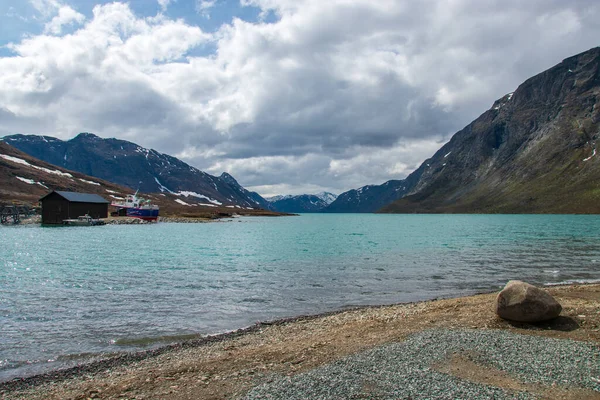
(403, 370)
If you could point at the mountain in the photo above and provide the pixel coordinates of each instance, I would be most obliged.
(534, 151)
(278, 197)
(327, 197)
(304, 203)
(130, 165)
(25, 179)
(252, 196)
(371, 198)
(368, 198)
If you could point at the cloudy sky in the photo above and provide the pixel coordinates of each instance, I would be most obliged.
(288, 96)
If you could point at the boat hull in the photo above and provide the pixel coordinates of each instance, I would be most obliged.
(141, 213)
(136, 207)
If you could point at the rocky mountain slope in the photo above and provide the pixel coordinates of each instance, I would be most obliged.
(304, 203)
(130, 165)
(534, 151)
(251, 197)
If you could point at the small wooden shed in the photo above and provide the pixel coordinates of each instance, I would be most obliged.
(58, 206)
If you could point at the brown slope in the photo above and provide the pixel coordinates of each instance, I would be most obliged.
(15, 190)
(534, 151)
(18, 191)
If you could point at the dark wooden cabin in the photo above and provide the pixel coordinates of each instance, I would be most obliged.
(58, 206)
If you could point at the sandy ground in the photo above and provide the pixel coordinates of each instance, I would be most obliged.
(230, 366)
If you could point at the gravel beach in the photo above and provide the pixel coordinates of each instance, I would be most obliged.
(419, 368)
(451, 348)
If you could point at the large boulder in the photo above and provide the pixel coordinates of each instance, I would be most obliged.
(522, 302)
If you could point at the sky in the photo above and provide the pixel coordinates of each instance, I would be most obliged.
(288, 96)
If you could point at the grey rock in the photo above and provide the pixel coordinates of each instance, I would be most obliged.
(522, 302)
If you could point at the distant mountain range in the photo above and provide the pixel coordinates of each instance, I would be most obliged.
(133, 166)
(533, 151)
(304, 203)
(368, 198)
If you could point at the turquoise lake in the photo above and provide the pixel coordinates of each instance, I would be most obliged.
(69, 293)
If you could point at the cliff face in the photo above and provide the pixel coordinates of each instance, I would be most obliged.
(534, 151)
(130, 165)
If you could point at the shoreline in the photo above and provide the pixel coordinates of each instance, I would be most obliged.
(447, 312)
(36, 220)
(124, 357)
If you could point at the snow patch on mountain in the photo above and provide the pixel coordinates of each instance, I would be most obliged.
(17, 160)
(161, 187)
(279, 197)
(327, 197)
(30, 181)
(90, 182)
(199, 196)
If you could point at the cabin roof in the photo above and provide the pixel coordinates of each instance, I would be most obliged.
(76, 197)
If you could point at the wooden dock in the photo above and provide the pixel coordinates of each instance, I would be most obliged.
(12, 214)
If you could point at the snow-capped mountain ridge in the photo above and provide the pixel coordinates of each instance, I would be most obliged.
(303, 203)
(136, 167)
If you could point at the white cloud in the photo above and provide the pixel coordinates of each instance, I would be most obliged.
(12, 13)
(47, 8)
(164, 4)
(66, 16)
(58, 15)
(357, 167)
(334, 94)
(203, 7)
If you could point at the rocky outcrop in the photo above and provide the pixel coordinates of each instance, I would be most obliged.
(522, 302)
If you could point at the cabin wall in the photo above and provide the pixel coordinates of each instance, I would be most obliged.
(94, 210)
(55, 209)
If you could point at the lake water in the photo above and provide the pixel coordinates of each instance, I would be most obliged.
(67, 293)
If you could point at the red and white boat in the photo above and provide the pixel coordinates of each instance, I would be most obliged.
(137, 207)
